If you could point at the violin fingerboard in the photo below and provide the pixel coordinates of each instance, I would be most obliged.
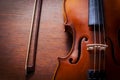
(95, 13)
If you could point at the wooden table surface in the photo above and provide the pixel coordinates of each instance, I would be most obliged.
(15, 22)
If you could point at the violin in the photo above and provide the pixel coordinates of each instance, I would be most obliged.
(95, 52)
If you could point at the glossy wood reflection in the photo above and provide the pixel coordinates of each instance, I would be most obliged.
(104, 64)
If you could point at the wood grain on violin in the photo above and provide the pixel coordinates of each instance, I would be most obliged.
(95, 27)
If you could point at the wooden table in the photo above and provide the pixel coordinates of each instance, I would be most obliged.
(15, 22)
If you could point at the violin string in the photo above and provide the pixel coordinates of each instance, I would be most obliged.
(103, 32)
(99, 25)
(94, 43)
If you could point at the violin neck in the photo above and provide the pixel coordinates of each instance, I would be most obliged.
(96, 16)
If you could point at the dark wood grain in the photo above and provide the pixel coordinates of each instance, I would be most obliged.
(52, 40)
(15, 23)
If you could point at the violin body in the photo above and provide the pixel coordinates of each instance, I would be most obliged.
(80, 63)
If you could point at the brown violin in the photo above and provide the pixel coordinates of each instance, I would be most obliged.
(95, 52)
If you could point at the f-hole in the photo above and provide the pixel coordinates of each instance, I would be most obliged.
(74, 61)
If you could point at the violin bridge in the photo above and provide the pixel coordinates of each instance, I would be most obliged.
(96, 46)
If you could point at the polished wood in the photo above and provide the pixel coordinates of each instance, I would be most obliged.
(51, 28)
(15, 22)
(33, 39)
(76, 64)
